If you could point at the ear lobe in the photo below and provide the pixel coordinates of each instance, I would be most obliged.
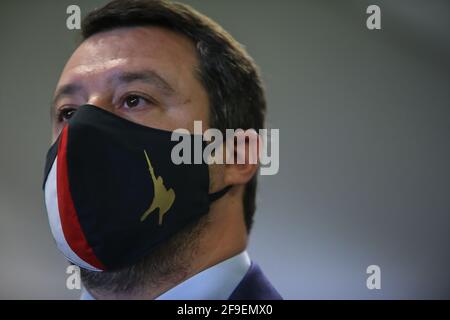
(243, 157)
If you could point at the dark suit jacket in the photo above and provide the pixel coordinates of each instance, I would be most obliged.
(255, 286)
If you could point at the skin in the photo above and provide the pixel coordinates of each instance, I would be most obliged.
(172, 97)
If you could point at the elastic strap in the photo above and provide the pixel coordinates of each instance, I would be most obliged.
(218, 194)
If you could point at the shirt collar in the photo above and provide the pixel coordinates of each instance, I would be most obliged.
(215, 283)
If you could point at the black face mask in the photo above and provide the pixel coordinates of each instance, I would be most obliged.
(113, 193)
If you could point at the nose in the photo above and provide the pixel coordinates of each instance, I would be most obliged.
(102, 101)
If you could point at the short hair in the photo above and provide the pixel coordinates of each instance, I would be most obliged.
(228, 74)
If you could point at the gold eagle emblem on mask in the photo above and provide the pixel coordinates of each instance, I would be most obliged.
(163, 198)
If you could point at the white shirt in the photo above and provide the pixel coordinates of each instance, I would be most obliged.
(215, 283)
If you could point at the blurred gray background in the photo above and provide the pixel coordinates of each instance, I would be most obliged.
(364, 119)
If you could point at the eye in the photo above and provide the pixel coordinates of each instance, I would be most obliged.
(65, 114)
(134, 101)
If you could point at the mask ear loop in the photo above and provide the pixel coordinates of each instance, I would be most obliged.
(218, 194)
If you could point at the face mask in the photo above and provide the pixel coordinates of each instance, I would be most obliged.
(113, 193)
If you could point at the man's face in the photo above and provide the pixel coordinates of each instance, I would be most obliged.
(144, 74)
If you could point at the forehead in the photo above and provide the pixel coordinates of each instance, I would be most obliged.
(133, 48)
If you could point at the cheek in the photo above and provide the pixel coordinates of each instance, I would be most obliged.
(56, 130)
(189, 111)
(192, 106)
(201, 109)
(173, 116)
(155, 118)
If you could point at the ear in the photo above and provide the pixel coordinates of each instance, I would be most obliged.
(241, 157)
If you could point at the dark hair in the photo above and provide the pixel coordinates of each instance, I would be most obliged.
(227, 72)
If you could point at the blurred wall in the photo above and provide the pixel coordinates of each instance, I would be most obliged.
(364, 119)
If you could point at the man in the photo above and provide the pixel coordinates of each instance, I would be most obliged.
(139, 226)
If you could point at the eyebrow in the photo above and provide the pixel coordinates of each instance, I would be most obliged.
(147, 76)
(65, 90)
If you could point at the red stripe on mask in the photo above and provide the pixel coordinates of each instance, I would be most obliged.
(69, 219)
